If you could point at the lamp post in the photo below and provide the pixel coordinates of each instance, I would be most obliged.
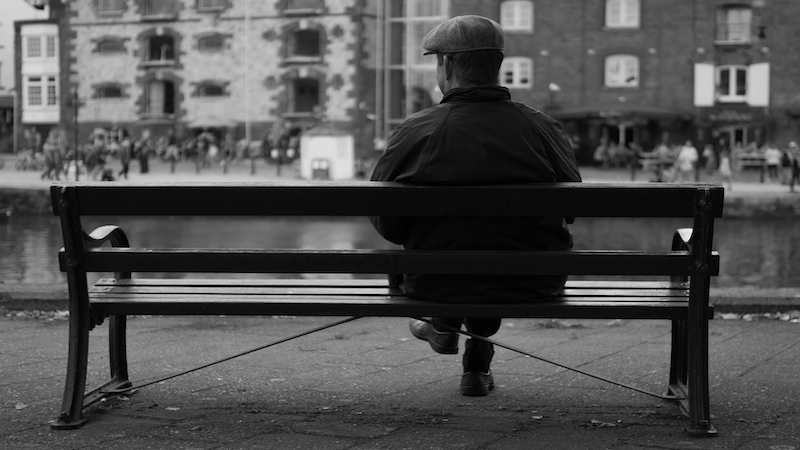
(15, 121)
(76, 104)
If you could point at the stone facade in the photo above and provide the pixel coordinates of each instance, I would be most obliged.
(162, 74)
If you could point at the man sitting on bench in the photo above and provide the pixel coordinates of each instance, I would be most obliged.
(475, 136)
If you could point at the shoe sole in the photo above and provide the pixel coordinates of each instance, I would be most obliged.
(476, 391)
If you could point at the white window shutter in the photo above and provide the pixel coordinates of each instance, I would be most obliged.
(704, 84)
(758, 84)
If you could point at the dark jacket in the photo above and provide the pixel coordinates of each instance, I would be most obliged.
(478, 136)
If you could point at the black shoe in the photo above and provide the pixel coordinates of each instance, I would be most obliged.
(443, 342)
(477, 384)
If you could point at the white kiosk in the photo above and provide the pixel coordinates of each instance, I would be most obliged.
(327, 153)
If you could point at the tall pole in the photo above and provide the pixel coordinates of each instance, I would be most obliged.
(15, 120)
(76, 106)
(247, 129)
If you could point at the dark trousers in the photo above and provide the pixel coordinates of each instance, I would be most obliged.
(477, 354)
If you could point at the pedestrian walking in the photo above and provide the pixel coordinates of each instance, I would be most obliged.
(687, 158)
(725, 170)
(795, 164)
(709, 159)
(772, 158)
(786, 163)
(125, 156)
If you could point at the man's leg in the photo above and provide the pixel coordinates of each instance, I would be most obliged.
(477, 379)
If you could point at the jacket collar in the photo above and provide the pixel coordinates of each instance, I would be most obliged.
(477, 94)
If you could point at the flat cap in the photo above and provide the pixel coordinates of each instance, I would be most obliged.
(464, 34)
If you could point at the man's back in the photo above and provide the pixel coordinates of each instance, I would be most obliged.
(477, 136)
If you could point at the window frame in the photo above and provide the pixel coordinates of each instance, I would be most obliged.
(202, 90)
(519, 65)
(212, 5)
(622, 21)
(612, 80)
(29, 40)
(100, 92)
(115, 45)
(204, 41)
(513, 16)
(111, 7)
(733, 95)
(47, 91)
(724, 25)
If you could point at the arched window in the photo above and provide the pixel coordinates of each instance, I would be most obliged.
(622, 13)
(161, 48)
(517, 15)
(517, 72)
(622, 71)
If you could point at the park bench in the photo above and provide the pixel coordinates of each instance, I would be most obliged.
(672, 284)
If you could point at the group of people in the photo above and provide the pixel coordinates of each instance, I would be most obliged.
(204, 150)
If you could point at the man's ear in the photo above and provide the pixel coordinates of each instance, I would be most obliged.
(448, 66)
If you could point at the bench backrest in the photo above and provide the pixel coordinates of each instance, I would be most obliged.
(703, 203)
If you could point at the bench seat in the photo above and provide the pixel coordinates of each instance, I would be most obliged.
(374, 297)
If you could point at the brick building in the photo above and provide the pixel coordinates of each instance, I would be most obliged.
(713, 71)
(229, 66)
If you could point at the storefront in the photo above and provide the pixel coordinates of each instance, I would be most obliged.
(620, 124)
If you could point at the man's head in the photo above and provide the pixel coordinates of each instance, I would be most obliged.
(468, 49)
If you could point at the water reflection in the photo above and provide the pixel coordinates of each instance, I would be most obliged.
(754, 252)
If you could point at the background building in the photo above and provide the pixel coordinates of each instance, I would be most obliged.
(10, 12)
(623, 71)
(231, 67)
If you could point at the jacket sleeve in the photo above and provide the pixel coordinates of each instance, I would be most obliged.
(399, 163)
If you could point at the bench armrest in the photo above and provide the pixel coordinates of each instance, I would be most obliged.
(107, 234)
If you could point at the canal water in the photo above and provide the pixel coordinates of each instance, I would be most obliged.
(759, 253)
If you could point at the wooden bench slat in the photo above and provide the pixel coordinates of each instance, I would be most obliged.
(344, 290)
(578, 262)
(356, 282)
(368, 198)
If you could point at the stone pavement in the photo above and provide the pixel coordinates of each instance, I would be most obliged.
(369, 385)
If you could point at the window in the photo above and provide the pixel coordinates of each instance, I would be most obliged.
(50, 48)
(304, 95)
(34, 91)
(622, 71)
(733, 24)
(516, 16)
(42, 91)
(304, 4)
(160, 48)
(622, 13)
(159, 8)
(516, 72)
(110, 6)
(160, 98)
(211, 43)
(52, 94)
(731, 83)
(304, 43)
(210, 90)
(34, 44)
(109, 91)
(110, 47)
(211, 5)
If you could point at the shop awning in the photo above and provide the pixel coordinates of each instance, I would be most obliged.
(615, 110)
